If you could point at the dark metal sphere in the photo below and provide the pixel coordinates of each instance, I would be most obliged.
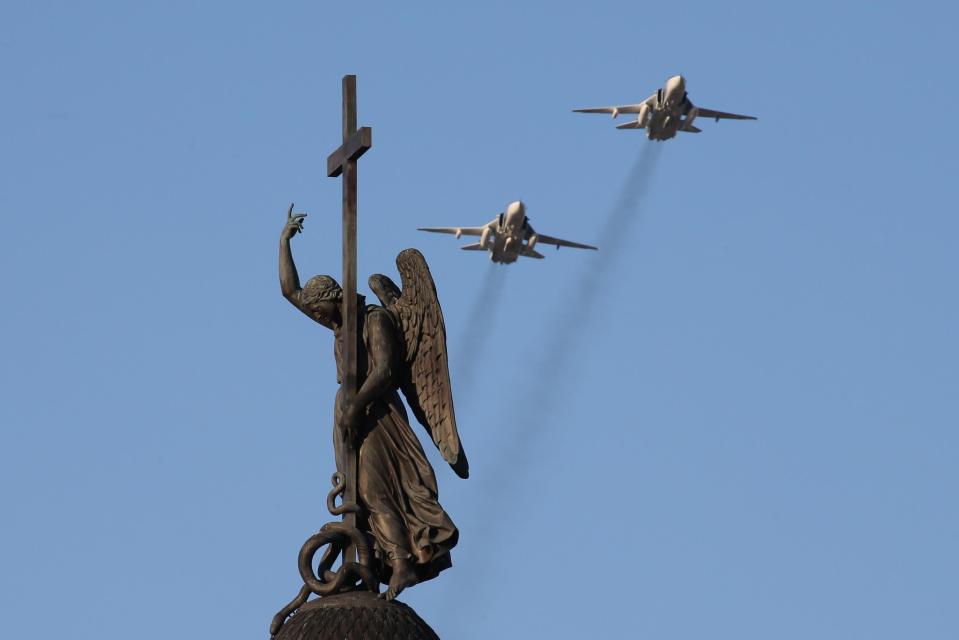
(355, 616)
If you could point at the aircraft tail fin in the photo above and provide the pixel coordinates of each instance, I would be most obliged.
(476, 246)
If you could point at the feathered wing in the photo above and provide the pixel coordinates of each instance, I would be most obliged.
(425, 379)
(385, 289)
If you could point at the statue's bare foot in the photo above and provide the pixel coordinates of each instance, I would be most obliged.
(403, 576)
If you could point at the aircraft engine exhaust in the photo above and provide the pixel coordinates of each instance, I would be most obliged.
(573, 321)
(474, 339)
(534, 408)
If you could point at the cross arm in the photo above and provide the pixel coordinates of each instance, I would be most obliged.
(351, 149)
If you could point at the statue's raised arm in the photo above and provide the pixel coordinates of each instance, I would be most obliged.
(317, 299)
(289, 278)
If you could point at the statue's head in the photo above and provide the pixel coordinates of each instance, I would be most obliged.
(322, 296)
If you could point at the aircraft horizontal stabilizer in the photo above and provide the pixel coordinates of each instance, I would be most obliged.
(631, 125)
(532, 253)
(691, 128)
(476, 246)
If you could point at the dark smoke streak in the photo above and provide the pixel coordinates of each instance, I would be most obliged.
(528, 417)
(575, 312)
(472, 343)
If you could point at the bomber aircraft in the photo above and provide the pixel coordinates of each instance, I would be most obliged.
(507, 236)
(666, 112)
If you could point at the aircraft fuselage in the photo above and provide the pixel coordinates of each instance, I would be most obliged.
(507, 240)
(666, 116)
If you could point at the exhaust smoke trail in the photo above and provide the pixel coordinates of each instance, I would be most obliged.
(472, 342)
(535, 407)
(576, 310)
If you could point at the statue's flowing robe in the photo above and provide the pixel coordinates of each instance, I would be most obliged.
(396, 484)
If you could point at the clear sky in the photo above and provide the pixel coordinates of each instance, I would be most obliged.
(738, 420)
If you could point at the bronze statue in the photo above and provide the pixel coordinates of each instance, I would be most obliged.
(401, 346)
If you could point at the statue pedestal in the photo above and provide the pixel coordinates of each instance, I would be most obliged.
(358, 615)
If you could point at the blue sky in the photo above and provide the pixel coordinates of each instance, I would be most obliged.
(745, 428)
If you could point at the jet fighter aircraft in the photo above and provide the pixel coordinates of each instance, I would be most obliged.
(507, 236)
(665, 112)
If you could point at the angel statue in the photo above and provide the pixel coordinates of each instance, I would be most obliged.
(402, 347)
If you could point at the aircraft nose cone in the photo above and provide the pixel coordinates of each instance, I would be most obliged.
(514, 207)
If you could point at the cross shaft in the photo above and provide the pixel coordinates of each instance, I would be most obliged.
(343, 162)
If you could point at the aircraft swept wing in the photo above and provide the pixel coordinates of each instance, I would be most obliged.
(709, 113)
(625, 108)
(457, 231)
(543, 239)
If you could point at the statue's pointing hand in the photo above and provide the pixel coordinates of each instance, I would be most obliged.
(294, 223)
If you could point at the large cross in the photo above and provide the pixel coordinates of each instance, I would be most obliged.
(343, 161)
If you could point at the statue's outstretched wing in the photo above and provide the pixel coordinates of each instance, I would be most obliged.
(425, 377)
